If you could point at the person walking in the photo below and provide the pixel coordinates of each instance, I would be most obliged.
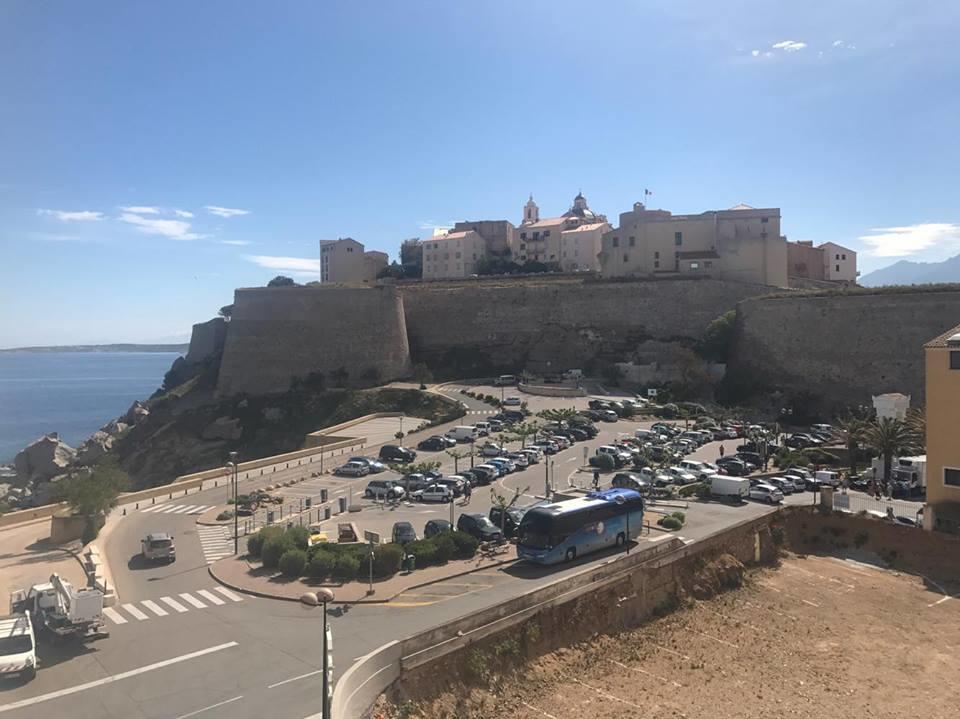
(467, 491)
(721, 451)
(596, 480)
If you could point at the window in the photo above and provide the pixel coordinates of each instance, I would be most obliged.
(523, 245)
(951, 477)
(837, 268)
(656, 255)
(626, 258)
(633, 241)
(678, 238)
(694, 265)
(843, 257)
(458, 255)
(546, 233)
(446, 255)
(616, 241)
(656, 264)
(523, 235)
(955, 359)
(553, 257)
(349, 249)
(564, 254)
(763, 220)
(838, 257)
(536, 235)
(708, 264)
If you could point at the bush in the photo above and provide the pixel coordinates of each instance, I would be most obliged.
(700, 489)
(273, 549)
(424, 550)
(255, 541)
(347, 566)
(223, 516)
(322, 565)
(446, 547)
(603, 461)
(467, 544)
(299, 537)
(679, 516)
(292, 562)
(386, 561)
(669, 522)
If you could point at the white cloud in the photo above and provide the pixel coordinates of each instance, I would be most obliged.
(174, 229)
(141, 210)
(235, 242)
(51, 237)
(789, 45)
(911, 239)
(296, 266)
(755, 53)
(225, 211)
(844, 45)
(183, 213)
(79, 216)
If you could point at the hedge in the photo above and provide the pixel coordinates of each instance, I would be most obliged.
(386, 561)
(292, 562)
(273, 549)
(255, 541)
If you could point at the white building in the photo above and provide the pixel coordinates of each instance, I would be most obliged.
(580, 247)
(452, 255)
(839, 263)
(541, 240)
(892, 405)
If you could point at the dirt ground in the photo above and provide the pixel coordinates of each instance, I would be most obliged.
(817, 636)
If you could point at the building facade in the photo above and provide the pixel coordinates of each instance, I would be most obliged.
(580, 247)
(497, 235)
(453, 255)
(942, 358)
(828, 261)
(741, 244)
(541, 240)
(345, 261)
(839, 263)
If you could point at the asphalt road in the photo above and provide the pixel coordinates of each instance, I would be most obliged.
(184, 647)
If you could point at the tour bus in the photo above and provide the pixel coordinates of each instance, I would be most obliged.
(565, 530)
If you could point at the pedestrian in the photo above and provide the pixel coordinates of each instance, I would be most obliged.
(721, 451)
(467, 491)
(596, 479)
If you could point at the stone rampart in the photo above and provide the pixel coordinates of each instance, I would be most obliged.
(842, 349)
(352, 337)
(206, 340)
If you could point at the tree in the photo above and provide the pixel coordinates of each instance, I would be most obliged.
(523, 431)
(94, 494)
(852, 430)
(281, 281)
(559, 415)
(717, 338)
(500, 501)
(457, 455)
(394, 270)
(497, 266)
(890, 437)
(226, 312)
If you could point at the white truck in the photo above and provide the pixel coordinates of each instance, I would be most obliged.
(18, 647)
(731, 488)
(463, 433)
(828, 477)
(62, 609)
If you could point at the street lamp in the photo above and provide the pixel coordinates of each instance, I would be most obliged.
(320, 598)
(232, 464)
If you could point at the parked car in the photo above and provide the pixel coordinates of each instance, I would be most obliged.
(388, 488)
(483, 429)
(403, 532)
(784, 484)
(485, 473)
(491, 449)
(463, 433)
(766, 493)
(533, 455)
(656, 477)
(512, 402)
(751, 458)
(373, 465)
(561, 441)
(434, 527)
(510, 519)
(455, 482)
(414, 481)
(432, 444)
(481, 527)
(392, 453)
(352, 469)
(681, 476)
(598, 404)
(608, 415)
(434, 493)
(494, 425)
(520, 459)
(505, 380)
(630, 480)
(508, 464)
(733, 466)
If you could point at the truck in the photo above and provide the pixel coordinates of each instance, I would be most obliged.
(18, 647)
(726, 487)
(828, 477)
(61, 609)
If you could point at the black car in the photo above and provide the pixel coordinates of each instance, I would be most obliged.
(598, 404)
(432, 444)
(511, 522)
(473, 476)
(590, 430)
(476, 525)
(592, 414)
(394, 453)
(435, 527)
(579, 434)
(484, 475)
(750, 457)
(629, 480)
(735, 468)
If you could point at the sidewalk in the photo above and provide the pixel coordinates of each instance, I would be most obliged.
(239, 574)
(28, 558)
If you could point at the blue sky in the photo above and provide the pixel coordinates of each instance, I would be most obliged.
(154, 156)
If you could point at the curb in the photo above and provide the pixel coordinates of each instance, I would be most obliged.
(381, 600)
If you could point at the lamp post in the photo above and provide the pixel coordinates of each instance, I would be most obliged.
(236, 528)
(310, 600)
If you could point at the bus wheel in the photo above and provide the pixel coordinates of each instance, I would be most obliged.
(571, 554)
(621, 539)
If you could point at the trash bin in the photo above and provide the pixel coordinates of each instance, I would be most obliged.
(342, 501)
(269, 516)
(324, 495)
(410, 562)
(307, 502)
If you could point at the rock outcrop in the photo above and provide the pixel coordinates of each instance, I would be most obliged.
(223, 428)
(43, 459)
(138, 411)
(95, 446)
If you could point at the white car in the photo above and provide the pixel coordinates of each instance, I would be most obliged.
(353, 469)
(656, 477)
(681, 476)
(512, 402)
(520, 459)
(491, 449)
(434, 493)
(533, 455)
(784, 484)
(766, 493)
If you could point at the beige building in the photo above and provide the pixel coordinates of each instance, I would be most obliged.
(541, 240)
(839, 263)
(453, 255)
(345, 261)
(942, 511)
(828, 261)
(580, 247)
(497, 235)
(742, 244)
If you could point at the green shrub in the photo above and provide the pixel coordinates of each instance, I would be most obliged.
(273, 549)
(446, 547)
(386, 561)
(669, 522)
(292, 562)
(424, 550)
(322, 565)
(225, 515)
(467, 544)
(347, 566)
(603, 461)
(699, 489)
(255, 541)
(679, 516)
(299, 537)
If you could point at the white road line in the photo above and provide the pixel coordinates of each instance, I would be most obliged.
(670, 651)
(190, 599)
(608, 696)
(210, 596)
(538, 710)
(173, 603)
(228, 594)
(113, 678)
(137, 614)
(649, 674)
(203, 508)
(153, 508)
(212, 706)
(114, 616)
(293, 679)
(187, 509)
(721, 641)
(807, 601)
(154, 607)
(171, 508)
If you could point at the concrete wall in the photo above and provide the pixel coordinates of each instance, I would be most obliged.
(206, 340)
(488, 327)
(280, 334)
(843, 348)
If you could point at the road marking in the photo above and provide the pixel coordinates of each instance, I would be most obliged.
(152, 508)
(293, 679)
(670, 651)
(212, 706)
(807, 601)
(210, 596)
(187, 509)
(721, 641)
(169, 508)
(608, 696)
(114, 616)
(190, 599)
(154, 607)
(228, 594)
(538, 710)
(649, 674)
(114, 678)
(137, 614)
(173, 603)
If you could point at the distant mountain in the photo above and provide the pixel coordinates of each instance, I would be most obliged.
(905, 272)
(181, 348)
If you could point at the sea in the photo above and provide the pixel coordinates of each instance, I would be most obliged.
(73, 393)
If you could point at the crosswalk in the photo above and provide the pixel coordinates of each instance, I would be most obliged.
(150, 609)
(216, 542)
(178, 508)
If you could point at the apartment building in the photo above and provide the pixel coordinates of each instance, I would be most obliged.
(345, 261)
(580, 247)
(828, 261)
(453, 255)
(497, 235)
(743, 244)
(542, 240)
(942, 357)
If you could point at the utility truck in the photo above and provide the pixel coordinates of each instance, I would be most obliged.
(726, 487)
(18, 648)
(61, 609)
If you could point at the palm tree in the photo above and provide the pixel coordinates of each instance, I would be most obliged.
(889, 437)
(852, 430)
(558, 415)
(457, 455)
(523, 431)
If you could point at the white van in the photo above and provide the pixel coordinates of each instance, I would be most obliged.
(18, 647)
(505, 380)
(483, 428)
(827, 477)
(463, 433)
(645, 434)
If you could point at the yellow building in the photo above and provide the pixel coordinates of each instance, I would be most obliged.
(452, 255)
(345, 261)
(942, 511)
(553, 241)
